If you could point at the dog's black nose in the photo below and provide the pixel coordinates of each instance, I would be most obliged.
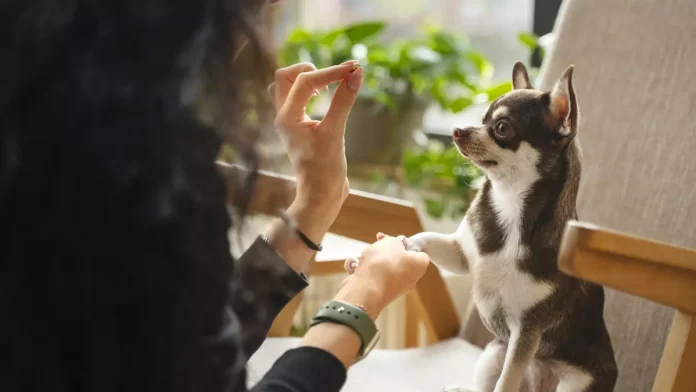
(461, 132)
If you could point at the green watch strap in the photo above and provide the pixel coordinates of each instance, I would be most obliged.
(340, 312)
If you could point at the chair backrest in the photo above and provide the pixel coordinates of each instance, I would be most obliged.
(636, 86)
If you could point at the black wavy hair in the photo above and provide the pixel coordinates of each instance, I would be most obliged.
(115, 261)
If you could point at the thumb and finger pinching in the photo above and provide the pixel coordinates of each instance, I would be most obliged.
(343, 99)
(307, 83)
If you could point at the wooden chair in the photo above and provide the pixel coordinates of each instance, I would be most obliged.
(634, 78)
(648, 269)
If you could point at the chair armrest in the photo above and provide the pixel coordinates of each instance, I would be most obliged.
(649, 269)
(361, 217)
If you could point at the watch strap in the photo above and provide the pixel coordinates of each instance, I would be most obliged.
(352, 316)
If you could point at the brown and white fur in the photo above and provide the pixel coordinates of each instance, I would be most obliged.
(549, 328)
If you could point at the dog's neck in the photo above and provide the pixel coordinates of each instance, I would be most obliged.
(508, 194)
(514, 185)
(522, 197)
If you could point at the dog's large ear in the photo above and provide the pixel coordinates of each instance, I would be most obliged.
(520, 77)
(563, 104)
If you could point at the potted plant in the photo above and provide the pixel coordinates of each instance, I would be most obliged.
(402, 79)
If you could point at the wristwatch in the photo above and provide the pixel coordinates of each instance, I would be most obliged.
(353, 317)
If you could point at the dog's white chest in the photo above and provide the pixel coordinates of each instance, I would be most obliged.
(497, 281)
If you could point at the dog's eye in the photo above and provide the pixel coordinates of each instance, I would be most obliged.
(502, 130)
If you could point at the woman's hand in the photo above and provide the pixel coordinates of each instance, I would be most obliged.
(386, 271)
(316, 148)
(316, 151)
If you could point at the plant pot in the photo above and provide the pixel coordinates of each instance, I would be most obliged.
(377, 135)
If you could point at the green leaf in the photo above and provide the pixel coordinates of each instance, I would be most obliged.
(443, 43)
(405, 61)
(377, 55)
(299, 36)
(288, 54)
(425, 55)
(542, 53)
(447, 43)
(497, 90)
(329, 38)
(459, 104)
(305, 54)
(530, 40)
(434, 208)
(361, 31)
(459, 76)
(412, 168)
(483, 66)
(419, 82)
(439, 91)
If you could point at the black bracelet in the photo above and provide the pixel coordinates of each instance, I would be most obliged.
(291, 223)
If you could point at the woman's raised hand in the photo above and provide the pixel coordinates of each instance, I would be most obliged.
(316, 148)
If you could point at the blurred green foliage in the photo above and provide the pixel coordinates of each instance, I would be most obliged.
(436, 65)
(531, 41)
(445, 176)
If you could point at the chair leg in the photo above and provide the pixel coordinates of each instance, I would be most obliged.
(436, 307)
(676, 372)
(412, 322)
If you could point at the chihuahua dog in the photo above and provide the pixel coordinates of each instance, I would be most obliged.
(549, 328)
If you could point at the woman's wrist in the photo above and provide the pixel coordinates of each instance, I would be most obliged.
(340, 340)
(359, 292)
(313, 221)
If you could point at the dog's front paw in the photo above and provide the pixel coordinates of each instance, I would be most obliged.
(416, 243)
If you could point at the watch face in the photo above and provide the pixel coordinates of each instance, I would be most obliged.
(371, 344)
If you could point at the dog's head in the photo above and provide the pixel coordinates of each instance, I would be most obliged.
(523, 131)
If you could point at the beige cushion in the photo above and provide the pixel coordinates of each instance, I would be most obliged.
(427, 369)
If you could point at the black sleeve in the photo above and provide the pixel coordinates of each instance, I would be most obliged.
(263, 286)
(304, 369)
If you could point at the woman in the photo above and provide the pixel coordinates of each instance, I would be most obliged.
(116, 273)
